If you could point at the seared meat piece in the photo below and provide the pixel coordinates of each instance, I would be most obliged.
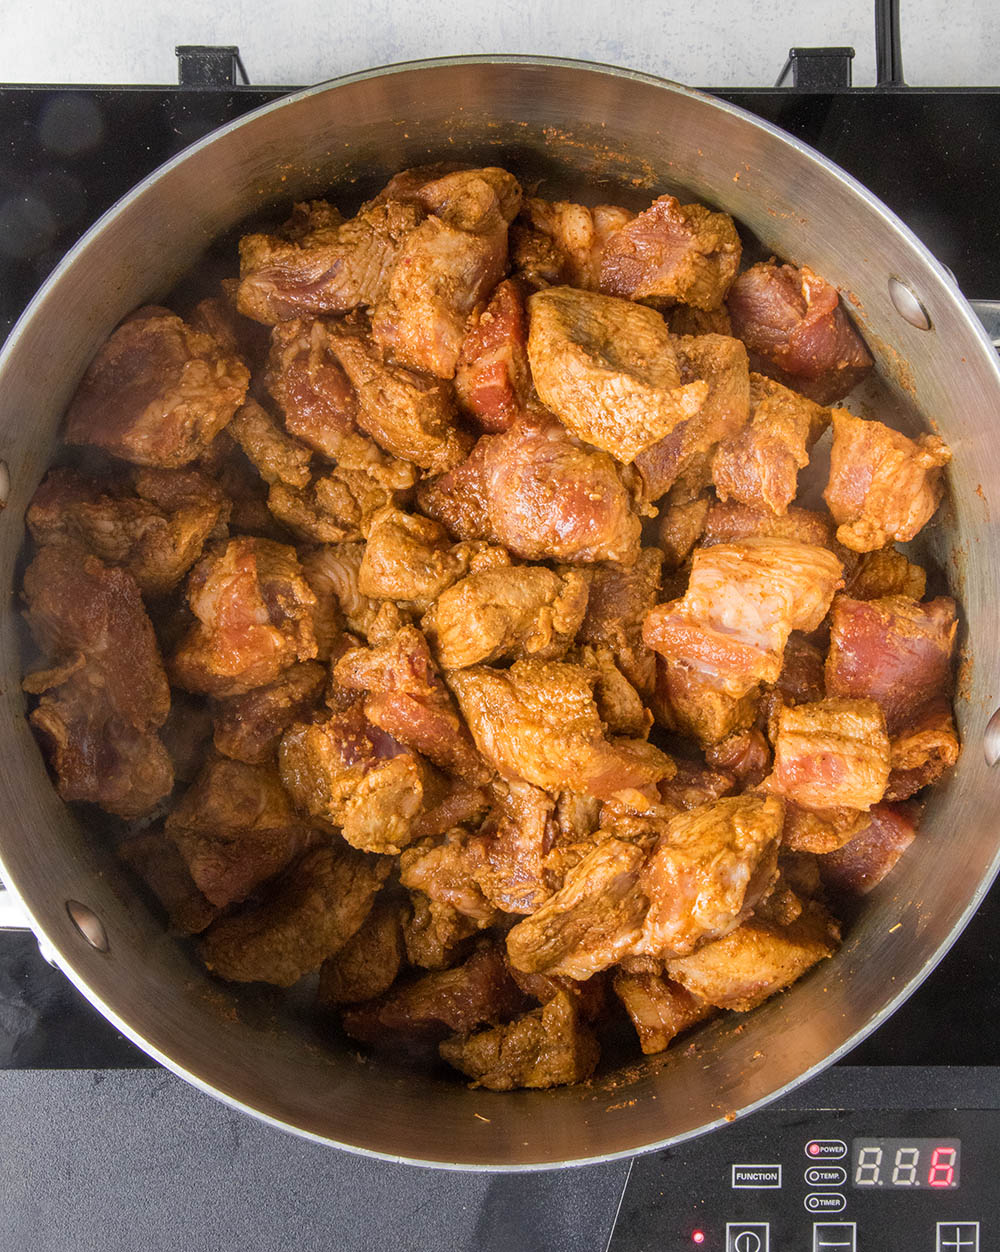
(618, 703)
(743, 601)
(557, 241)
(620, 597)
(442, 277)
(684, 319)
(328, 511)
(458, 499)
(106, 692)
(924, 751)
(659, 1009)
(435, 934)
(731, 522)
(408, 414)
(187, 735)
(409, 558)
(407, 699)
(310, 218)
(796, 331)
(244, 489)
(759, 466)
(367, 965)
(548, 1047)
(894, 651)
(157, 392)
(157, 533)
(492, 378)
(313, 911)
(689, 700)
(249, 727)
(329, 269)
(707, 870)
(680, 527)
(445, 871)
(277, 456)
(831, 754)
(506, 612)
(254, 611)
(820, 830)
(236, 828)
(538, 722)
(745, 755)
(467, 198)
(685, 455)
(745, 967)
(520, 833)
(694, 785)
(157, 861)
(861, 864)
(882, 485)
(608, 370)
(885, 572)
(673, 252)
(332, 572)
(801, 680)
(479, 991)
(591, 922)
(236, 335)
(313, 393)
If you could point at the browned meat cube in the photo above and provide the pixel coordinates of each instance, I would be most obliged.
(518, 836)
(820, 830)
(157, 861)
(244, 489)
(367, 965)
(492, 378)
(861, 864)
(479, 991)
(443, 276)
(409, 558)
(406, 413)
(694, 785)
(831, 754)
(327, 269)
(157, 392)
(745, 755)
(458, 499)
(591, 922)
(924, 751)
(312, 391)
(796, 331)
(407, 699)
(435, 934)
(277, 456)
(236, 828)
(561, 242)
(732, 522)
(590, 997)
(680, 526)
(882, 486)
(310, 218)
(659, 1009)
(313, 911)
(673, 252)
(619, 705)
(468, 198)
(608, 370)
(549, 1047)
(254, 611)
(106, 692)
(445, 870)
(332, 572)
(801, 679)
(760, 465)
(690, 702)
(684, 319)
(538, 722)
(506, 612)
(237, 335)
(249, 727)
(620, 597)
(745, 967)
(684, 456)
(157, 533)
(885, 572)
(708, 869)
(894, 651)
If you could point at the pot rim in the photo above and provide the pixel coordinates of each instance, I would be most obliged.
(890, 220)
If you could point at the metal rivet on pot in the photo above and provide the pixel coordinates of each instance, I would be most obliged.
(907, 305)
(991, 740)
(88, 924)
(4, 484)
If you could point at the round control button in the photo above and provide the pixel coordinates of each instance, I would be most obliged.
(826, 1176)
(747, 1241)
(826, 1149)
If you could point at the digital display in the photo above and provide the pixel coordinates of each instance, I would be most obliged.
(906, 1164)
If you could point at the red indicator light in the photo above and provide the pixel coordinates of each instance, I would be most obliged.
(698, 1236)
(814, 1149)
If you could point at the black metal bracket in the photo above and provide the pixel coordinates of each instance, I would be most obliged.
(818, 69)
(209, 65)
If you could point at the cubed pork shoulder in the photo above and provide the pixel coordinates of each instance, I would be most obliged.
(861, 864)
(659, 1009)
(797, 332)
(249, 727)
(556, 241)
(492, 377)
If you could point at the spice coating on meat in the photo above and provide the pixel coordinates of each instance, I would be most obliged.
(492, 377)
(157, 392)
(659, 1009)
(830, 754)
(249, 727)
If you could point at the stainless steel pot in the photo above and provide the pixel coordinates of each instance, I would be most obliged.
(576, 125)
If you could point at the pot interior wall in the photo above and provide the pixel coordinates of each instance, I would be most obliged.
(612, 137)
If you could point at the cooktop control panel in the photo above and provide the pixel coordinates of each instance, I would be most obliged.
(833, 1181)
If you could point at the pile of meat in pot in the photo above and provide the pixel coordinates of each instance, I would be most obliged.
(386, 561)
